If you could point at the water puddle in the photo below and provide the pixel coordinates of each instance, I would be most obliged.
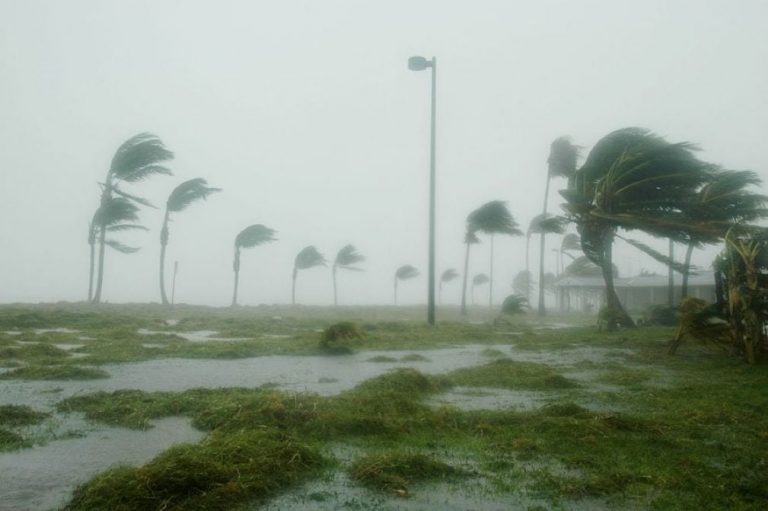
(43, 477)
(479, 398)
(55, 330)
(196, 336)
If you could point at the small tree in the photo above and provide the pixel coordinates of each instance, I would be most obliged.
(346, 258)
(478, 280)
(470, 238)
(308, 257)
(405, 272)
(447, 276)
(251, 236)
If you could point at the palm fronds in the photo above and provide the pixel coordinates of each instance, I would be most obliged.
(547, 224)
(480, 279)
(139, 157)
(522, 284)
(308, 257)
(254, 235)
(347, 257)
(135, 198)
(449, 275)
(563, 157)
(115, 211)
(406, 272)
(658, 256)
(514, 304)
(124, 249)
(188, 192)
(493, 218)
(571, 242)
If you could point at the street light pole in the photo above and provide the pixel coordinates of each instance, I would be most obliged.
(419, 64)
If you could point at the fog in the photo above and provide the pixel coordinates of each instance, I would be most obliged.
(306, 115)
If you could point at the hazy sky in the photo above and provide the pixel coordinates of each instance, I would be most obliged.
(305, 113)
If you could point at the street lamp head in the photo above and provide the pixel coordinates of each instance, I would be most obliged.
(418, 63)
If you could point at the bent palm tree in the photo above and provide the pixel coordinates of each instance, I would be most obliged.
(346, 258)
(118, 214)
(251, 236)
(405, 272)
(478, 280)
(493, 218)
(447, 276)
(522, 284)
(180, 199)
(138, 158)
(543, 224)
(307, 258)
(470, 238)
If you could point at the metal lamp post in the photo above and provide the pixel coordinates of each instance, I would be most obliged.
(420, 64)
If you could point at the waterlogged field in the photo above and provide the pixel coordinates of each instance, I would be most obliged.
(141, 408)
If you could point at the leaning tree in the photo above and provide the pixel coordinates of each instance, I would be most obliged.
(543, 224)
(479, 280)
(251, 236)
(180, 199)
(346, 259)
(308, 257)
(470, 238)
(447, 276)
(405, 272)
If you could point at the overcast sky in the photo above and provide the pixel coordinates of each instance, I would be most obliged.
(305, 113)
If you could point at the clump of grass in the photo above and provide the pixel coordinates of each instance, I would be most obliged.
(219, 473)
(414, 357)
(16, 415)
(511, 374)
(381, 358)
(395, 471)
(10, 441)
(626, 376)
(493, 353)
(58, 372)
(39, 352)
(338, 338)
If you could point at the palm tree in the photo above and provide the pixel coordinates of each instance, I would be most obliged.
(346, 258)
(493, 218)
(181, 197)
(251, 236)
(138, 158)
(570, 243)
(562, 161)
(470, 238)
(724, 200)
(117, 215)
(479, 280)
(632, 179)
(514, 304)
(447, 276)
(405, 272)
(522, 284)
(543, 224)
(308, 257)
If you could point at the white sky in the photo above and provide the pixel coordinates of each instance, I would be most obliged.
(305, 114)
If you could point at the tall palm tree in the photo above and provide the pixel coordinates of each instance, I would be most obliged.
(632, 179)
(137, 159)
(724, 200)
(522, 284)
(251, 236)
(180, 199)
(470, 238)
(493, 218)
(562, 161)
(447, 276)
(118, 214)
(308, 257)
(346, 258)
(405, 272)
(543, 224)
(479, 280)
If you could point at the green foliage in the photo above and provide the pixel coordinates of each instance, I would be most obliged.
(661, 315)
(254, 235)
(347, 257)
(339, 338)
(139, 157)
(480, 279)
(308, 257)
(10, 441)
(395, 471)
(522, 284)
(493, 218)
(406, 272)
(18, 415)
(511, 374)
(571, 243)
(547, 224)
(449, 275)
(514, 304)
(54, 372)
(563, 158)
(188, 192)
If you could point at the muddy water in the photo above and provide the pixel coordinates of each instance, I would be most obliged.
(43, 477)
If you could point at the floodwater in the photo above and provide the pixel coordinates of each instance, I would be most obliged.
(43, 477)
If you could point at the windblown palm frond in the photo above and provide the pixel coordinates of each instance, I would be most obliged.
(514, 304)
(406, 272)
(188, 192)
(347, 257)
(571, 242)
(125, 249)
(309, 257)
(480, 279)
(254, 235)
(139, 200)
(116, 211)
(563, 157)
(583, 267)
(449, 275)
(139, 157)
(547, 224)
(470, 237)
(658, 256)
(126, 227)
(493, 218)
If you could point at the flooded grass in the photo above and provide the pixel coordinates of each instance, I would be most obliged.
(19, 415)
(54, 372)
(565, 418)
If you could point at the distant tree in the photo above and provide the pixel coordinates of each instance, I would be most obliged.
(493, 218)
(543, 224)
(251, 236)
(117, 215)
(514, 304)
(470, 238)
(180, 199)
(346, 258)
(137, 159)
(522, 284)
(405, 272)
(478, 280)
(308, 257)
(447, 276)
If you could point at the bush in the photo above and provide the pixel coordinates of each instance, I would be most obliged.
(661, 315)
(339, 337)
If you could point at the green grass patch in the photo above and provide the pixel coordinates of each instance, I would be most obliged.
(396, 471)
(626, 376)
(511, 374)
(10, 441)
(18, 415)
(57, 372)
(382, 358)
(414, 357)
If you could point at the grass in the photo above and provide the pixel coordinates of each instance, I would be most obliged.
(699, 441)
(55, 372)
(10, 441)
(17, 415)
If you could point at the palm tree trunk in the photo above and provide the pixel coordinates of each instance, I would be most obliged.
(106, 196)
(542, 310)
(236, 268)
(617, 314)
(440, 293)
(687, 265)
(464, 284)
(490, 278)
(173, 285)
(671, 276)
(92, 243)
(527, 266)
(293, 287)
(395, 290)
(335, 296)
(163, 244)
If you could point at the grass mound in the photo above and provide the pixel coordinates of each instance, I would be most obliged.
(339, 338)
(59, 372)
(10, 440)
(382, 358)
(15, 415)
(511, 374)
(396, 471)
